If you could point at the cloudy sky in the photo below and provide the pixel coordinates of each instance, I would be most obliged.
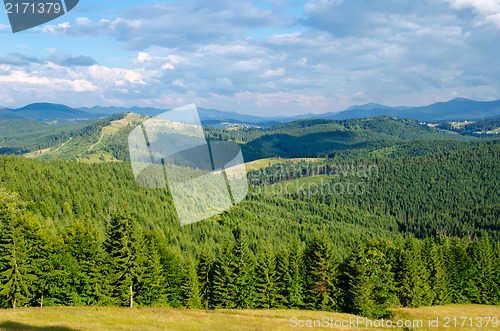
(275, 57)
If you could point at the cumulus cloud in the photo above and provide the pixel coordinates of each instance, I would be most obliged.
(488, 11)
(338, 53)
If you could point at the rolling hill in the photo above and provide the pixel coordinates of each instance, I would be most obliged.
(47, 112)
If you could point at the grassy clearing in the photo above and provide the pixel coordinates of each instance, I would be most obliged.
(113, 318)
(262, 163)
(447, 313)
(87, 149)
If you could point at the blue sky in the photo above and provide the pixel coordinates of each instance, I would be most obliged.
(273, 57)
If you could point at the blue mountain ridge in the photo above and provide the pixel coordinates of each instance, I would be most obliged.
(459, 109)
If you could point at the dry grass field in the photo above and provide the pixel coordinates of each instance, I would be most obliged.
(113, 318)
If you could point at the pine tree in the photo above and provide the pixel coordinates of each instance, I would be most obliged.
(223, 293)
(151, 288)
(321, 274)
(266, 283)
(205, 279)
(296, 275)
(190, 286)
(125, 268)
(283, 279)
(243, 267)
(483, 259)
(85, 250)
(461, 273)
(410, 281)
(15, 275)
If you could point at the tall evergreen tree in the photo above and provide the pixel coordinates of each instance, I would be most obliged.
(321, 274)
(223, 293)
(483, 258)
(411, 282)
(85, 251)
(283, 279)
(243, 268)
(190, 286)
(434, 262)
(205, 278)
(14, 270)
(266, 283)
(296, 275)
(151, 288)
(123, 244)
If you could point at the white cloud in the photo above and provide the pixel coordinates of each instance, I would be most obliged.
(487, 10)
(340, 53)
(83, 20)
(56, 29)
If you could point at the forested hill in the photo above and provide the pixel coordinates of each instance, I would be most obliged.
(322, 138)
(420, 195)
(107, 139)
(85, 234)
(424, 218)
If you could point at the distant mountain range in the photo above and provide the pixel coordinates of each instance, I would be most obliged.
(47, 112)
(454, 110)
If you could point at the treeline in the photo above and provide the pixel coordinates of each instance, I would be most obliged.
(477, 129)
(129, 266)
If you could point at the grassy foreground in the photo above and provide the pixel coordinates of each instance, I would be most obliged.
(112, 318)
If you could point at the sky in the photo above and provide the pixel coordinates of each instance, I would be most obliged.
(266, 58)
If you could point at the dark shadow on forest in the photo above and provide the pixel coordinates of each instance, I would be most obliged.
(15, 326)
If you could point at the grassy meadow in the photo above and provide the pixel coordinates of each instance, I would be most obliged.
(113, 318)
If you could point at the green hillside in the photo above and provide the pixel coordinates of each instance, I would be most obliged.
(107, 139)
(422, 213)
(319, 138)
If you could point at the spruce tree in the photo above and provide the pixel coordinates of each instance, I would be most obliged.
(434, 261)
(296, 275)
(430, 268)
(411, 282)
(151, 288)
(321, 274)
(15, 275)
(483, 259)
(172, 273)
(190, 286)
(357, 282)
(125, 260)
(223, 292)
(85, 250)
(496, 275)
(205, 278)
(283, 279)
(461, 270)
(266, 281)
(242, 269)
